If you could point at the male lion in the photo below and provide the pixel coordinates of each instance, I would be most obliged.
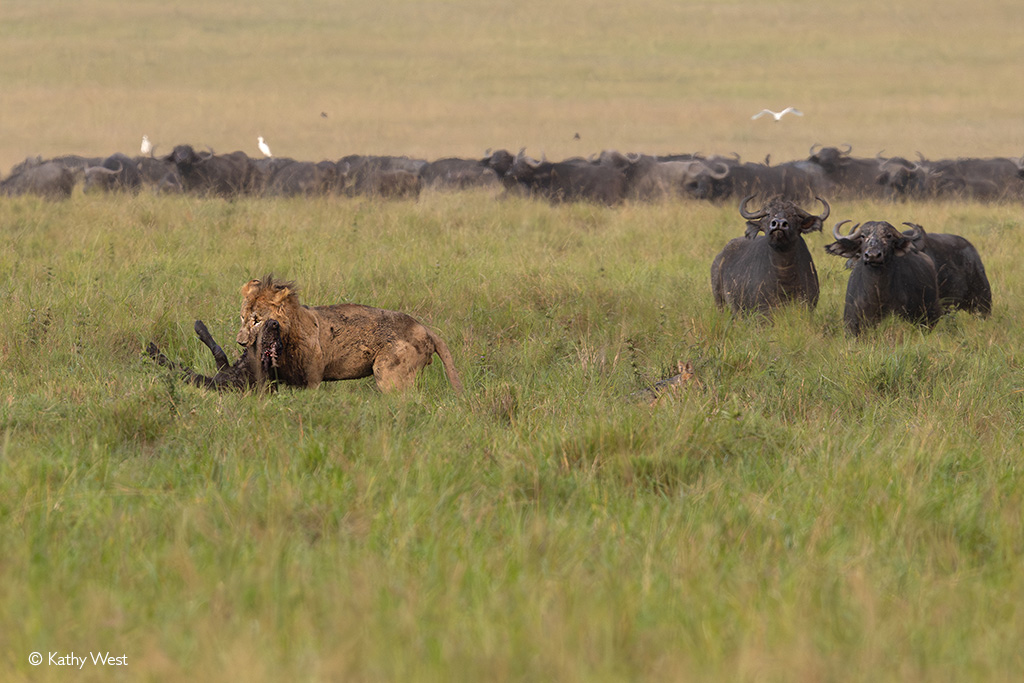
(344, 341)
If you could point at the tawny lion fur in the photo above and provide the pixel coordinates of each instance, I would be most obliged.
(344, 341)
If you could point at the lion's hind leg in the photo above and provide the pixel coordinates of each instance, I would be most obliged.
(396, 366)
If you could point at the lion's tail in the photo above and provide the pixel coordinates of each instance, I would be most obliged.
(446, 360)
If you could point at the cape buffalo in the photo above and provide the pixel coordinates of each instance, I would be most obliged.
(760, 272)
(994, 179)
(225, 175)
(47, 179)
(458, 174)
(889, 275)
(650, 178)
(283, 177)
(574, 179)
(963, 283)
(118, 172)
(848, 176)
(152, 170)
(380, 176)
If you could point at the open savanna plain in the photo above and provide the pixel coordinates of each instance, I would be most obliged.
(806, 507)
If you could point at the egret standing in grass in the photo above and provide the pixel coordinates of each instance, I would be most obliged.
(777, 114)
(264, 147)
(147, 146)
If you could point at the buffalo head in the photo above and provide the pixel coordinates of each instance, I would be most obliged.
(781, 221)
(830, 158)
(875, 243)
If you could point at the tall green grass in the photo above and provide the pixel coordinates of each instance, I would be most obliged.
(808, 507)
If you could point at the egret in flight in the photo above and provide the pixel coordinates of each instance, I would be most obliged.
(777, 114)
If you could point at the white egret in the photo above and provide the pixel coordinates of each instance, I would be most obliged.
(777, 114)
(264, 147)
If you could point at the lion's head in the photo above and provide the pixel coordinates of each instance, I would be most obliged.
(263, 300)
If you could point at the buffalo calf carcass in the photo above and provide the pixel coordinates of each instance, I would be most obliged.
(760, 272)
(117, 173)
(889, 275)
(255, 369)
(963, 283)
(48, 179)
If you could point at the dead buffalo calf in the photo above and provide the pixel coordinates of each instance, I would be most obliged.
(889, 275)
(761, 272)
(257, 368)
(962, 280)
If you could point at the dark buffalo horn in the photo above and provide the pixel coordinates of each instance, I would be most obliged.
(718, 175)
(101, 169)
(815, 146)
(750, 216)
(849, 148)
(839, 236)
(828, 209)
(916, 231)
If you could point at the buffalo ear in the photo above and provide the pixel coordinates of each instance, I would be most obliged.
(753, 227)
(904, 246)
(250, 288)
(811, 224)
(844, 248)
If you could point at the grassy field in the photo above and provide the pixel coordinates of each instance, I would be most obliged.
(808, 507)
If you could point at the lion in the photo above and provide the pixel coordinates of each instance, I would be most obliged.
(257, 367)
(343, 341)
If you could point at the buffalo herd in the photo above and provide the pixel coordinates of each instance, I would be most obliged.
(609, 177)
(909, 273)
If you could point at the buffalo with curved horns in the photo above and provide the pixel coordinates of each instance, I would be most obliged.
(118, 172)
(760, 272)
(889, 275)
